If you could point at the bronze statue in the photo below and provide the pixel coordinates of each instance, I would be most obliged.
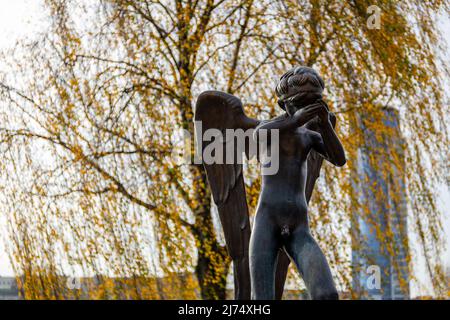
(280, 232)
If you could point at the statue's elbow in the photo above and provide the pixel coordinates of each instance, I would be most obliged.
(341, 162)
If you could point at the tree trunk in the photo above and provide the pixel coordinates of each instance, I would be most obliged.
(212, 267)
(213, 261)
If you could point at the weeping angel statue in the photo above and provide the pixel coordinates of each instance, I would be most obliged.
(281, 231)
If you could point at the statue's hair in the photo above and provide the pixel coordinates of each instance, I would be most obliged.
(297, 76)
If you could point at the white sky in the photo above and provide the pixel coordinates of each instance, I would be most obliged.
(19, 18)
(16, 21)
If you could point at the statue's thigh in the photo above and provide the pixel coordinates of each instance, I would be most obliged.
(264, 245)
(265, 236)
(312, 264)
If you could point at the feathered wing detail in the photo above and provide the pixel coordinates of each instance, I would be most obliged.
(219, 110)
(314, 164)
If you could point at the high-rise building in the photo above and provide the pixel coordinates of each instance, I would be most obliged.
(379, 224)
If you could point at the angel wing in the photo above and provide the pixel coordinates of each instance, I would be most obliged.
(220, 110)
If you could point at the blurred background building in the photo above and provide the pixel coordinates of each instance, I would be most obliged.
(379, 225)
(8, 288)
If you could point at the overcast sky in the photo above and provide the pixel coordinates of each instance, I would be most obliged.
(20, 18)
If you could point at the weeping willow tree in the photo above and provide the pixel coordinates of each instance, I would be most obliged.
(92, 113)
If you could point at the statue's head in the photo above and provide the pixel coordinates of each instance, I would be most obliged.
(299, 87)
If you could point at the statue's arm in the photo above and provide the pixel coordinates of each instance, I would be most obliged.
(286, 122)
(282, 123)
(328, 144)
